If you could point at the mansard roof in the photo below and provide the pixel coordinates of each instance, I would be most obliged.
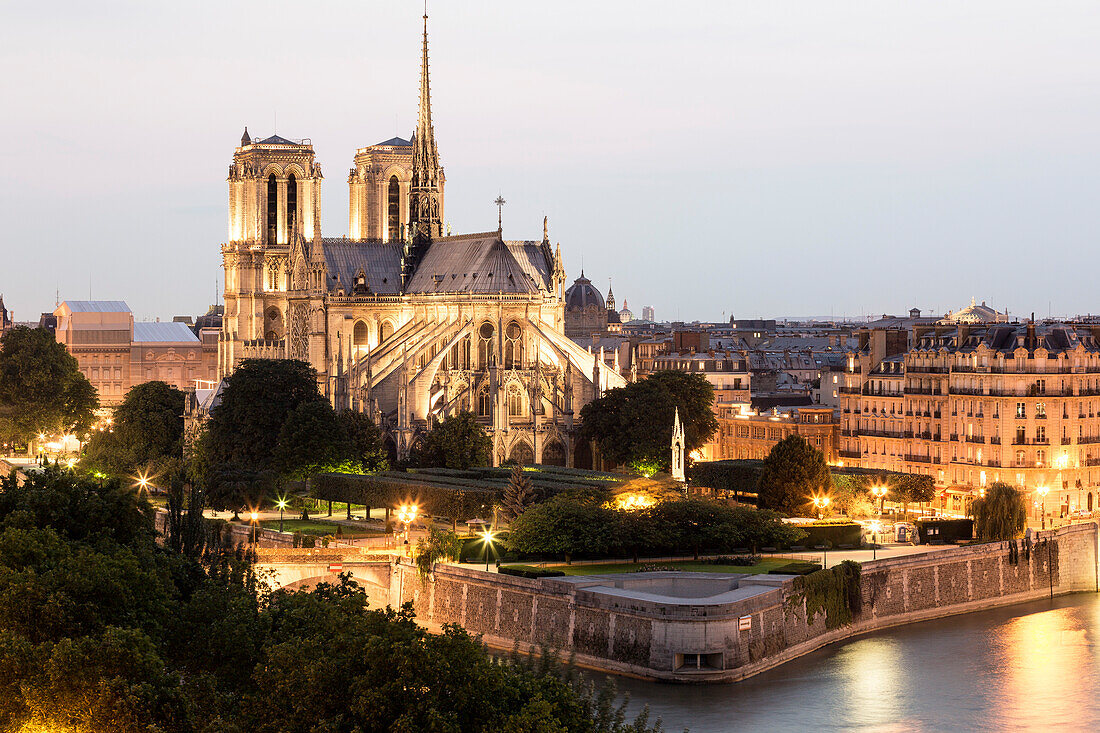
(481, 263)
(380, 261)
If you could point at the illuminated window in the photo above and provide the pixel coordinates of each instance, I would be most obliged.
(291, 205)
(393, 220)
(272, 208)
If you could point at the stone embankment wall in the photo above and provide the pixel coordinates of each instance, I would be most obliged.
(698, 641)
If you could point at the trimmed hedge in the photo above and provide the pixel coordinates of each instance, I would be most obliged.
(832, 535)
(525, 571)
(731, 476)
(796, 568)
(459, 502)
(947, 531)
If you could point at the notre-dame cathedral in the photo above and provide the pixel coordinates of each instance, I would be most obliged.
(398, 319)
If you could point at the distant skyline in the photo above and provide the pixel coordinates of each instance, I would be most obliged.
(732, 158)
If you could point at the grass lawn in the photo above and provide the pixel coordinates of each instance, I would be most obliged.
(691, 565)
(318, 528)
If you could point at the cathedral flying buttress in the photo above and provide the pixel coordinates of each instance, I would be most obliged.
(399, 320)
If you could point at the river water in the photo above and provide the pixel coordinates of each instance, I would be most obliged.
(1028, 667)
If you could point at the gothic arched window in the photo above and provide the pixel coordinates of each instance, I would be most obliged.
(393, 208)
(359, 338)
(515, 401)
(291, 206)
(385, 331)
(513, 346)
(272, 209)
(484, 404)
(484, 345)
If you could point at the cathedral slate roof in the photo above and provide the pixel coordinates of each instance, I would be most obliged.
(396, 142)
(481, 263)
(582, 293)
(163, 332)
(380, 261)
(276, 140)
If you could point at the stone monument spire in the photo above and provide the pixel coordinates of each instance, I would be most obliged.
(678, 448)
(425, 190)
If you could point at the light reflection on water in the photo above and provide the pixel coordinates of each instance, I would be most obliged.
(1027, 667)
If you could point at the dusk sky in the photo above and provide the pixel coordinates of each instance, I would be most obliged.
(712, 158)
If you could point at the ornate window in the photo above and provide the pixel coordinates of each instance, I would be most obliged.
(484, 404)
(359, 338)
(513, 346)
(291, 206)
(515, 401)
(393, 209)
(272, 209)
(484, 345)
(385, 330)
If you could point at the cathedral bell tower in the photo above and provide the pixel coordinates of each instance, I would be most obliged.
(426, 187)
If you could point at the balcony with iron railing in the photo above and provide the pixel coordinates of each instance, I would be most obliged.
(849, 454)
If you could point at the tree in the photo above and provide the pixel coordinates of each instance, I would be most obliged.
(1001, 514)
(911, 489)
(41, 387)
(256, 401)
(633, 424)
(147, 428)
(562, 527)
(365, 438)
(793, 472)
(311, 440)
(457, 442)
(438, 544)
(518, 495)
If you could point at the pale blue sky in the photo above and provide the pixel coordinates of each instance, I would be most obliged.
(754, 158)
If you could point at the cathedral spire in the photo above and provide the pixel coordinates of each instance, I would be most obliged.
(425, 194)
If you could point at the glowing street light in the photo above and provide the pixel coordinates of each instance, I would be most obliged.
(876, 527)
(1042, 492)
(254, 518)
(281, 503)
(406, 514)
(821, 502)
(142, 482)
(488, 536)
(880, 494)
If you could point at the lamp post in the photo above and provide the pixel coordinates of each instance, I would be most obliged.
(488, 536)
(1042, 492)
(254, 518)
(876, 527)
(821, 502)
(880, 494)
(281, 503)
(406, 514)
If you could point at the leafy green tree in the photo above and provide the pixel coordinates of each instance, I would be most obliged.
(257, 399)
(791, 475)
(313, 439)
(457, 442)
(633, 424)
(147, 428)
(365, 438)
(518, 495)
(41, 387)
(562, 527)
(911, 489)
(1001, 514)
(438, 544)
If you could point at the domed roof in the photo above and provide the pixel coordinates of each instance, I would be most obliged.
(973, 313)
(582, 294)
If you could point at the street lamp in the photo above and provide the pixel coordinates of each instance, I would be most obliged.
(253, 517)
(876, 527)
(281, 503)
(821, 502)
(488, 537)
(1042, 492)
(880, 494)
(406, 514)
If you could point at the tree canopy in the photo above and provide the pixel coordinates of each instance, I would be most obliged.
(633, 424)
(41, 387)
(1001, 514)
(258, 397)
(793, 472)
(147, 428)
(457, 442)
(312, 440)
(102, 628)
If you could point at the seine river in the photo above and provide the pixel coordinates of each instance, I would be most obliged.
(1034, 666)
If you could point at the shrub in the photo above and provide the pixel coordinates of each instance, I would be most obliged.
(832, 535)
(526, 571)
(796, 568)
